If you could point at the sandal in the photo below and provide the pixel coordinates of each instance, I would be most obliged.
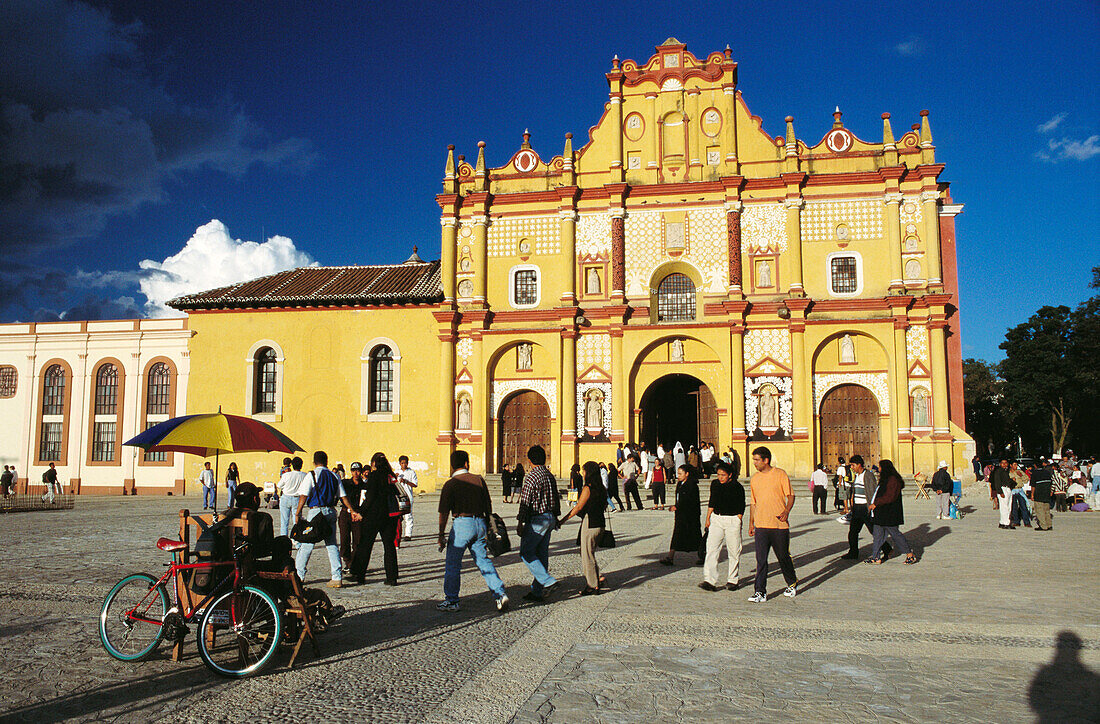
(910, 559)
(873, 561)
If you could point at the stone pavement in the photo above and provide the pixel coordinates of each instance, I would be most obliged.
(969, 634)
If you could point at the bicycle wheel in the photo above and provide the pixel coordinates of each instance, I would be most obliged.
(130, 620)
(239, 633)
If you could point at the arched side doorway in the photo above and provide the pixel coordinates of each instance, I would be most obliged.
(678, 408)
(523, 421)
(850, 425)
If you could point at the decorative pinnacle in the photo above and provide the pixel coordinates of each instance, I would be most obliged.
(615, 62)
(836, 118)
(526, 139)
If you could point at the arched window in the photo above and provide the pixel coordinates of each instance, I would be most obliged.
(266, 389)
(106, 390)
(159, 391)
(53, 391)
(105, 413)
(51, 442)
(381, 379)
(675, 299)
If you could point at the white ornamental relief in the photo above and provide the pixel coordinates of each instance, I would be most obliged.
(911, 213)
(761, 343)
(547, 388)
(594, 235)
(594, 349)
(763, 227)
(582, 402)
(916, 343)
(786, 408)
(861, 219)
(542, 234)
(465, 348)
(703, 245)
(644, 247)
(877, 382)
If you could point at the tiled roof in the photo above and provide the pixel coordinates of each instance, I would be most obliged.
(326, 286)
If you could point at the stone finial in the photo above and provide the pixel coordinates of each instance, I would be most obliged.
(728, 52)
(526, 139)
(837, 123)
(615, 63)
(450, 172)
(791, 147)
(889, 148)
(927, 150)
(567, 160)
(479, 168)
(415, 258)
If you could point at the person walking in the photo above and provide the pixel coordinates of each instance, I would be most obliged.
(232, 479)
(770, 501)
(725, 512)
(6, 483)
(613, 485)
(406, 478)
(209, 487)
(686, 535)
(860, 494)
(590, 507)
(506, 482)
(53, 488)
(819, 488)
(678, 456)
(1059, 488)
(465, 497)
(887, 514)
(292, 484)
(944, 487)
(378, 520)
(539, 509)
(1019, 513)
(351, 530)
(1042, 484)
(659, 487)
(321, 491)
(841, 483)
(629, 472)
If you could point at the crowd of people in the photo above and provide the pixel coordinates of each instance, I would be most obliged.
(1025, 494)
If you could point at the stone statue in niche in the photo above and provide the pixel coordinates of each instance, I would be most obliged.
(910, 243)
(676, 351)
(523, 356)
(592, 281)
(593, 410)
(465, 413)
(912, 269)
(765, 275)
(768, 407)
(465, 264)
(847, 350)
(920, 409)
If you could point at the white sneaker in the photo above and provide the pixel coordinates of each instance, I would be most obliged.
(789, 591)
(757, 597)
(502, 603)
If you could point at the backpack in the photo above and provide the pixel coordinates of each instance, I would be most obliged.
(211, 546)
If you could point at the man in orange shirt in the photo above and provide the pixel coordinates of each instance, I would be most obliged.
(771, 499)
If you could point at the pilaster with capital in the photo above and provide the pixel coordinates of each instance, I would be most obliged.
(937, 354)
(737, 382)
(481, 249)
(449, 242)
(893, 239)
(567, 215)
(931, 214)
(618, 253)
(567, 403)
(733, 234)
(794, 243)
(618, 387)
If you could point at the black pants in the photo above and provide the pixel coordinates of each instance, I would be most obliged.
(859, 518)
(658, 493)
(371, 529)
(821, 495)
(630, 487)
(836, 498)
(779, 540)
(349, 536)
(1060, 503)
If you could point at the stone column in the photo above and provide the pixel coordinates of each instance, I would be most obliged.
(446, 409)
(931, 213)
(620, 406)
(569, 251)
(794, 243)
(737, 384)
(733, 233)
(618, 254)
(481, 249)
(729, 127)
(447, 258)
(653, 130)
(937, 352)
(893, 239)
(901, 395)
(567, 403)
(693, 170)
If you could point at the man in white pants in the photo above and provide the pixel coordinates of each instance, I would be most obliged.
(407, 477)
(725, 511)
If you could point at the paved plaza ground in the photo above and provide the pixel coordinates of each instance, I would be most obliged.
(990, 626)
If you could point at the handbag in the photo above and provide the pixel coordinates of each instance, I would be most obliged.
(607, 537)
(311, 531)
(398, 503)
(496, 535)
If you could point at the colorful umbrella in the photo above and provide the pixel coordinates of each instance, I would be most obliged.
(212, 434)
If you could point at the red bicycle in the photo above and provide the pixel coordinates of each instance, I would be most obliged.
(240, 626)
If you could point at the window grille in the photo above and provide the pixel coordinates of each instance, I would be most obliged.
(381, 379)
(844, 278)
(159, 392)
(53, 391)
(8, 382)
(526, 287)
(103, 442)
(675, 299)
(50, 448)
(106, 390)
(265, 382)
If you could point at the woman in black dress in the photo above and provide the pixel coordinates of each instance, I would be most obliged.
(613, 485)
(377, 520)
(506, 481)
(518, 474)
(686, 533)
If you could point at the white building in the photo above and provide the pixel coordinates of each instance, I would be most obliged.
(72, 392)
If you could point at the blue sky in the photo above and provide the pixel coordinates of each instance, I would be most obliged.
(127, 126)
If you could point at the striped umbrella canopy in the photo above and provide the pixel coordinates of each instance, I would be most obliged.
(212, 434)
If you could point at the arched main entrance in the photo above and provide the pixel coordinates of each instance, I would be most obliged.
(524, 420)
(678, 408)
(849, 425)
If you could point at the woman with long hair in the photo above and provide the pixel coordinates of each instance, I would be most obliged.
(590, 507)
(232, 478)
(518, 474)
(613, 485)
(887, 514)
(686, 534)
(506, 481)
(378, 519)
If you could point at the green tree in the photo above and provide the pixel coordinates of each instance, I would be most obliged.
(985, 415)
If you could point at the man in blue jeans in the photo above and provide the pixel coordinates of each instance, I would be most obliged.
(324, 489)
(539, 510)
(466, 497)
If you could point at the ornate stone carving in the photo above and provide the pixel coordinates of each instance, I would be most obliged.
(618, 254)
(761, 343)
(594, 349)
(862, 217)
(733, 233)
(584, 389)
(764, 227)
(877, 382)
(752, 406)
(916, 343)
(542, 233)
(547, 388)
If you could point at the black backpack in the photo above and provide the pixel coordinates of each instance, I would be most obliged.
(211, 546)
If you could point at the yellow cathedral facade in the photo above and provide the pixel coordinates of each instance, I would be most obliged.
(681, 275)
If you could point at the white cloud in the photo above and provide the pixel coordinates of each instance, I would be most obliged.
(212, 258)
(1051, 124)
(1071, 148)
(912, 47)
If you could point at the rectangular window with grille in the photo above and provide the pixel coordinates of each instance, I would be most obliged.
(103, 442)
(526, 287)
(8, 382)
(50, 448)
(266, 389)
(382, 386)
(155, 457)
(844, 278)
(157, 402)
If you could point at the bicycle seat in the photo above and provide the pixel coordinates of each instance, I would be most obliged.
(171, 546)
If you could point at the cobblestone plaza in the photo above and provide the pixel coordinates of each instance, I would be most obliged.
(991, 626)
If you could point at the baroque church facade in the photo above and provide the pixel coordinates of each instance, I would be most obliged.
(681, 275)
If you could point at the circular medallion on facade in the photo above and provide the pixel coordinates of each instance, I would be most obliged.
(466, 264)
(912, 269)
(842, 232)
(466, 231)
(634, 126)
(711, 122)
(465, 288)
(524, 246)
(910, 208)
(465, 250)
(525, 161)
(838, 140)
(911, 228)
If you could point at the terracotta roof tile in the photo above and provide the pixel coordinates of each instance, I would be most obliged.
(409, 283)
